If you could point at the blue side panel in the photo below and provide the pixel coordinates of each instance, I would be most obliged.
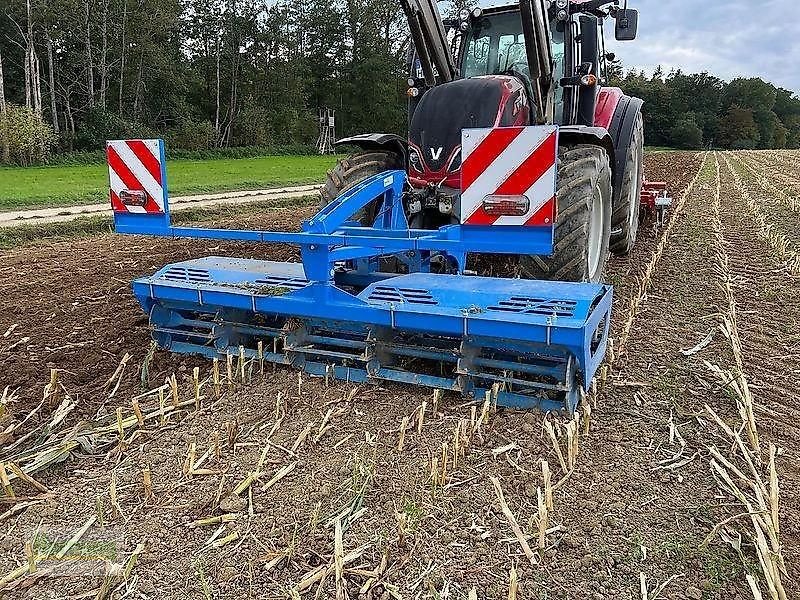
(142, 224)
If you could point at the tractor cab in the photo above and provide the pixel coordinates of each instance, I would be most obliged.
(494, 44)
(504, 76)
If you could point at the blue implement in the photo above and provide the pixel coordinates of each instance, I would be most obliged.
(339, 314)
(539, 340)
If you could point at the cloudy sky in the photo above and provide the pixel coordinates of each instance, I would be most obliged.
(729, 38)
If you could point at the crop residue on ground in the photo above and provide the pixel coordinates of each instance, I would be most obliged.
(195, 479)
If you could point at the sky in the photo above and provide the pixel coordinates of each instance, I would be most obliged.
(728, 38)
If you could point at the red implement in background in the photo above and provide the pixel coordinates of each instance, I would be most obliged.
(655, 199)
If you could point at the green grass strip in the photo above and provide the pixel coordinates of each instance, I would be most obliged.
(44, 187)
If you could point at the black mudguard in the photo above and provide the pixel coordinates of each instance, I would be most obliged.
(621, 131)
(377, 141)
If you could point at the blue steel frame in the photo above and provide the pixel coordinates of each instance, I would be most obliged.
(329, 236)
(337, 251)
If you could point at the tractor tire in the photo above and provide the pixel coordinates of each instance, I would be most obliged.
(627, 199)
(583, 221)
(354, 169)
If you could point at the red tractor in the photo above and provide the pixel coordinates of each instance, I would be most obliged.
(535, 62)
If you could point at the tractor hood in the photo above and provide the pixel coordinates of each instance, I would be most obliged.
(443, 111)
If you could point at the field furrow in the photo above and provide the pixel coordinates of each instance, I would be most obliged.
(780, 176)
(778, 185)
(769, 328)
(649, 449)
(772, 221)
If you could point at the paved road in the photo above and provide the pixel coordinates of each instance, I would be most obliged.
(70, 213)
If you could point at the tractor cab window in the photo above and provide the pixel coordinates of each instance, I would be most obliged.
(496, 45)
(512, 52)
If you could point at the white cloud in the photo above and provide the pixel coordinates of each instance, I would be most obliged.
(729, 38)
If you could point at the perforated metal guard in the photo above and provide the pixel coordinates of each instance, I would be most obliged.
(186, 274)
(294, 283)
(400, 295)
(536, 306)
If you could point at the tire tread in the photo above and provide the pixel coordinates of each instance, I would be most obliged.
(579, 168)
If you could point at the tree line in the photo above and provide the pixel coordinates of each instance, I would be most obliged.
(209, 74)
(202, 73)
(700, 110)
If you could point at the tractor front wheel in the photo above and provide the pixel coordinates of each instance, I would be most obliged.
(354, 169)
(627, 199)
(583, 221)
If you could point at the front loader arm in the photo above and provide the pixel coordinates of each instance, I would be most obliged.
(430, 40)
(538, 45)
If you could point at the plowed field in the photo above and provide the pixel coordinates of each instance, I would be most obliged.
(679, 480)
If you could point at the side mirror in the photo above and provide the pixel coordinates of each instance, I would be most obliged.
(627, 24)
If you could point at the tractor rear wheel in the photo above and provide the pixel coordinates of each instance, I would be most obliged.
(583, 221)
(627, 199)
(354, 169)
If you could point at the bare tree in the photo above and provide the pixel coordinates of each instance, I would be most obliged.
(33, 88)
(138, 89)
(2, 89)
(69, 121)
(28, 97)
(52, 80)
(89, 64)
(104, 55)
(122, 54)
(27, 69)
(3, 138)
(36, 82)
(216, 117)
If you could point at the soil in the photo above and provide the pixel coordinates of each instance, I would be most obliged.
(71, 304)
(637, 507)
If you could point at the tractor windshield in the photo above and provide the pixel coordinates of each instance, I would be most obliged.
(496, 45)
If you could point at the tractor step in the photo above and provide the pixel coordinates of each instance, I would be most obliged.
(540, 341)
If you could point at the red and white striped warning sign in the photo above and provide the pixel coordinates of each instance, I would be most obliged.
(136, 176)
(508, 176)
